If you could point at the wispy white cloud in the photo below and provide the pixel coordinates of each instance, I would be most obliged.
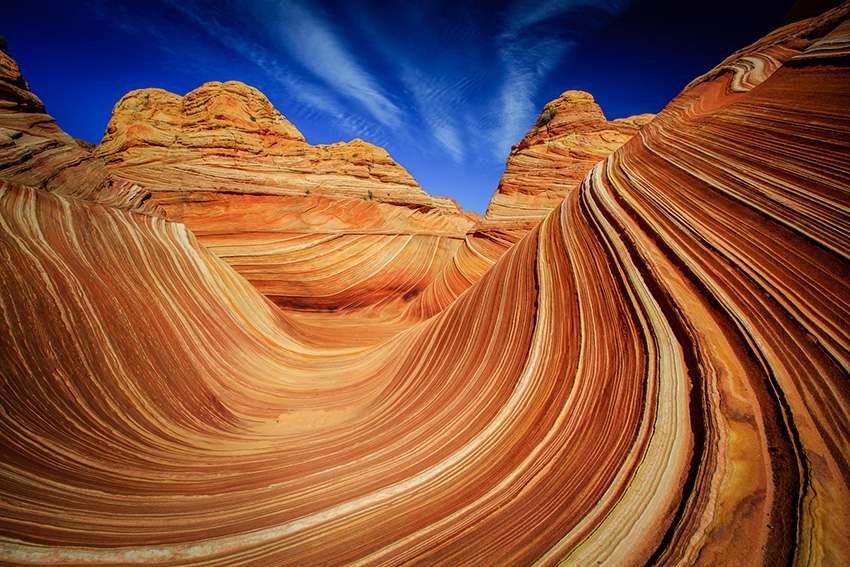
(448, 137)
(525, 67)
(528, 53)
(522, 14)
(319, 49)
(437, 102)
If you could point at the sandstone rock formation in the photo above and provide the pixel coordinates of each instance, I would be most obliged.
(569, 138)
(35, 151)
(658, 373)
(313, 227)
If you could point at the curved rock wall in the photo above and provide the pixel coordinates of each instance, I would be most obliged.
(658, 373)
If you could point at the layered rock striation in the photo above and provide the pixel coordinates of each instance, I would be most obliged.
(569, 138)
(657, 373)
(224, 162)
(35, 151)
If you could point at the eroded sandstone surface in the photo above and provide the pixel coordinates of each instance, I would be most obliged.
(571, 135)
(657, 373)
(327, 227)
(34, 151)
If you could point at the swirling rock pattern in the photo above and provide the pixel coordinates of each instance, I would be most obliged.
(569, 138)
(327, 227)
(657, 373)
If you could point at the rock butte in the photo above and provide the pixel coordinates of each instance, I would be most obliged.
(656, 373)
(570, 137)
(329, 227)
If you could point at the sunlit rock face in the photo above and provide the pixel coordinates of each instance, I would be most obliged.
(325, 227)
(35, 151)
(657, 373)
(569, 138)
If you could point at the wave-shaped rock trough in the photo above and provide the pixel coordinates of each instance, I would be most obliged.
(657, 373)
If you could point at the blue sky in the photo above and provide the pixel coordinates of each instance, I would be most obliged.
(445, 86)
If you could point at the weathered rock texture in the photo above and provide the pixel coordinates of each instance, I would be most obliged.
(313, 227)
(569, 138)
(35, 151)
(658, 373)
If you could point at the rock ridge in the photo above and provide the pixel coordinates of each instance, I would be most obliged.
(35, 152)
(570, 136)
(226, 163)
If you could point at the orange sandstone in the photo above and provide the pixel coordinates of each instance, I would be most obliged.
(657, 373)
(569, 138)
(325, 227)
